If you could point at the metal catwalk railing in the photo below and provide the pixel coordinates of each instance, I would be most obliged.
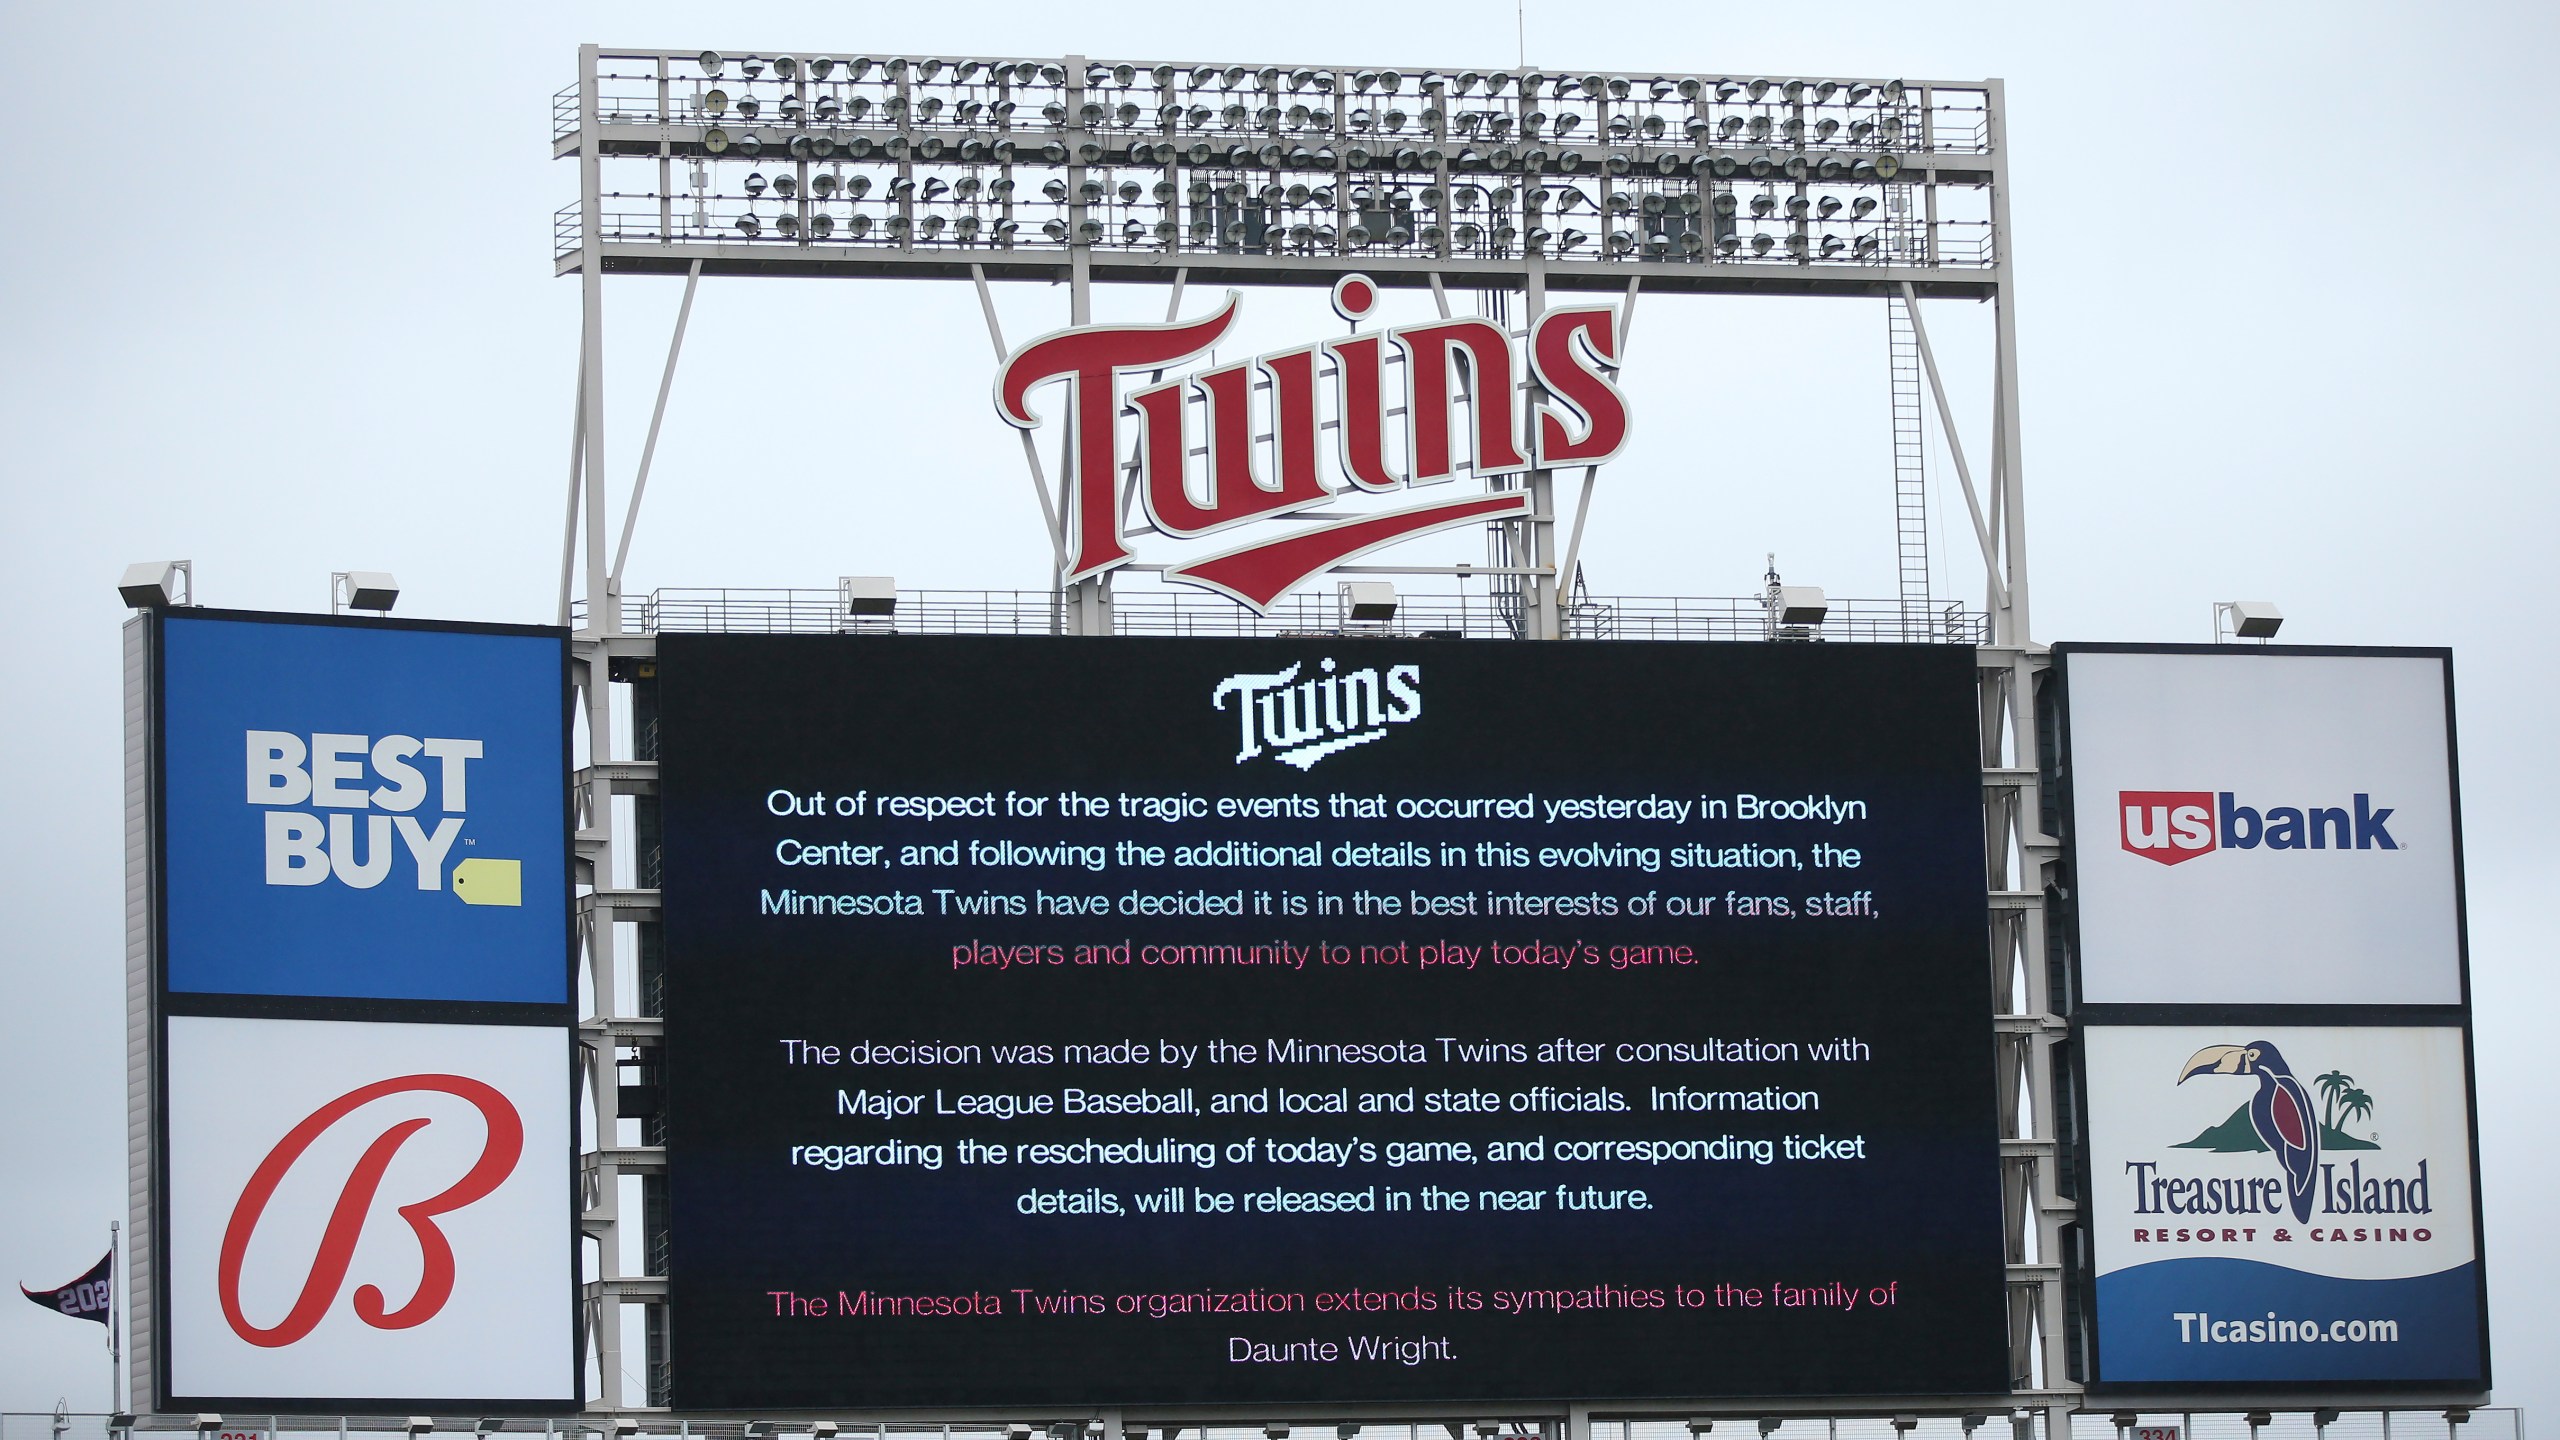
(1492, 1421)
(1166, 611)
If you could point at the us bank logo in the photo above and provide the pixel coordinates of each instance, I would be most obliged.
(1300, 716)
(377, 806)
(2171, 827)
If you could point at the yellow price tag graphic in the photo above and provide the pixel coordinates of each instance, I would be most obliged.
(489, 882)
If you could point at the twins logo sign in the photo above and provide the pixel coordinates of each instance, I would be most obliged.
(1578, 418)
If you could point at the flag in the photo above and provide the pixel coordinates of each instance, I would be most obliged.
(88, 1298)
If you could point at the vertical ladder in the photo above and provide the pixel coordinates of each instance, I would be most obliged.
(1910, 469)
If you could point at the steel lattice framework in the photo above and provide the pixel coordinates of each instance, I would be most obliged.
(1509, 183)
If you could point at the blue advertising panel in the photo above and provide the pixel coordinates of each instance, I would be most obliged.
(364, 809)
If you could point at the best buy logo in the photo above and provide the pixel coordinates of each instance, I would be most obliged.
(390, 784)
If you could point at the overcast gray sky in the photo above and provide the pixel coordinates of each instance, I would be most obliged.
(278, 298)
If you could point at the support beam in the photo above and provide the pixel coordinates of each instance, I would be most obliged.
(1591, 474)
(1030, 452)
(1955, 443)
(577, 459)
(602, 611)
(657, 416)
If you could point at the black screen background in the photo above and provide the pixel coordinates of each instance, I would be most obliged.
(1894, 725)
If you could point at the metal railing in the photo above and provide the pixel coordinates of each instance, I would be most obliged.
(1172, 611)
(2487, 1423)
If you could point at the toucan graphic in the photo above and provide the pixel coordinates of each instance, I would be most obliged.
(2280, 1112)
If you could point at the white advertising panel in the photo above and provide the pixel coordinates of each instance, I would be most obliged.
(2263, 828)
(2282, 1204)
(368, 1211)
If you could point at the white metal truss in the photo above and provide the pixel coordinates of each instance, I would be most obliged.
(1277, 175)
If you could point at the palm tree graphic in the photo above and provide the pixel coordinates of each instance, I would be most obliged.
(2354, 1104)
(2332, 1085)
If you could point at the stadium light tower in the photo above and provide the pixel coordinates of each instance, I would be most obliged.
(1525, 188)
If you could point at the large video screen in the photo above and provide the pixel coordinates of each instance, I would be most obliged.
(1152, 1021)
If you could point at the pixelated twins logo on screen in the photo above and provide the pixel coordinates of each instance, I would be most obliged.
(364, 812)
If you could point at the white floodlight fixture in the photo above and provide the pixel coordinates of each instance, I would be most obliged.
(823, 1430)
(786, 68)
(158, 585)
(2246, 619)
(752, 66)
(749, 144)
(1276, 1430)
(710, 62)
(1973, 1421)
(1890, 92)
(1701, 1424)
(420, 1425)
(488, 1425)
(362, 590)
(1487, 1429)
(1888, 166)
(1769, 1423)
(1905, 1424)
(207, 1423)
(1755, 89)
(2323, 1418)
(1761, 244)
(757, 1430)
